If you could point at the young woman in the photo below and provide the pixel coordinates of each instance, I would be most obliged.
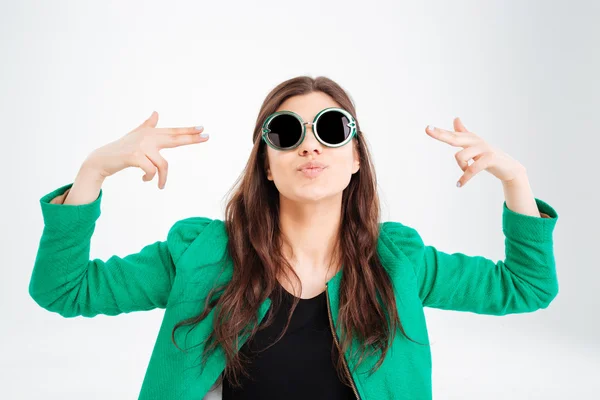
(300, 292)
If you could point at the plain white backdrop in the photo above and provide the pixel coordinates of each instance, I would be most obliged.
(75, 75)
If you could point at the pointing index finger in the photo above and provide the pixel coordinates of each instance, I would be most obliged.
(452, 138)
(439, 133)
(180, 131)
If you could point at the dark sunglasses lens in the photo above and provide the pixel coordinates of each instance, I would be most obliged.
(286, 130)
(333, 128)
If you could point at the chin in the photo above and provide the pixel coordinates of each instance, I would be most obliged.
(312, 196)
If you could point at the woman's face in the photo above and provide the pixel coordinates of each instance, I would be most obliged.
(340, 162)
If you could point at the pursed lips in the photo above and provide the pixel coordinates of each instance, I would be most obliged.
(312, 172)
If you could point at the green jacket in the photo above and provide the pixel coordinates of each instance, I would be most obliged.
(177, 274)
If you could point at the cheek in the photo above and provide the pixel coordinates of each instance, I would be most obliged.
(280, 168)
(343, 162)
(339, 175)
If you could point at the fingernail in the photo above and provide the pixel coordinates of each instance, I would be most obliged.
(199, 127)
(458, 184)
(430, 127)
(204, 135)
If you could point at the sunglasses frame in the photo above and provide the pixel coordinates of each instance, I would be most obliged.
(266, 130)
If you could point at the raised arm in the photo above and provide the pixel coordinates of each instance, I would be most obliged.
(524, 281)
(66, 281)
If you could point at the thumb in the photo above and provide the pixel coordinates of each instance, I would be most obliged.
(458, 125)
(150, 122)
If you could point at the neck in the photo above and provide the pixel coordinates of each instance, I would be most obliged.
(312, 230)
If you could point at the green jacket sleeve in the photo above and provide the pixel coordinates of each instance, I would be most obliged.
(524, 281)
(64, 279)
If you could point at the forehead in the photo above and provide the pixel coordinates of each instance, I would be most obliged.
(308, 105)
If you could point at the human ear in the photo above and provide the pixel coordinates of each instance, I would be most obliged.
(356, 162)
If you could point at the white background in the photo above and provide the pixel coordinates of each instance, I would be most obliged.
(75, 75)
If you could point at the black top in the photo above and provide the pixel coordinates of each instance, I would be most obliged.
(300, 364)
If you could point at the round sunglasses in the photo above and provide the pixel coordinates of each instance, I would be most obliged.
(285, 130)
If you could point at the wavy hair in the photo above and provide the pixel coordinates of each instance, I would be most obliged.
(367, 306)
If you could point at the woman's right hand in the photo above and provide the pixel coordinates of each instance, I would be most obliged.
(140, 148)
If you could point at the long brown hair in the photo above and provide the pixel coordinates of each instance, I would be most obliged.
(255, 246)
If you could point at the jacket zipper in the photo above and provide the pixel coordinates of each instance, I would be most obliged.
(335, 338)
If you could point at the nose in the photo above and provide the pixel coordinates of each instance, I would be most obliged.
(310, 142)
(309, 125)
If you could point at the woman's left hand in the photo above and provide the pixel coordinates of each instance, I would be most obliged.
(484, 156)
